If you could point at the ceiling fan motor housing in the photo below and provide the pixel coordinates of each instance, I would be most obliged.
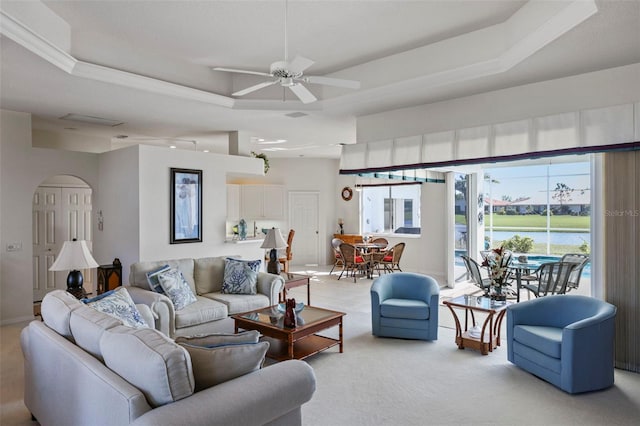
(280, 70)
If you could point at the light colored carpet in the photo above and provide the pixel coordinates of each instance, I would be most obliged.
(379, 381)
(382, 381)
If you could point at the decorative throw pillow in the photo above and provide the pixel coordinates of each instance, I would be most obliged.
(176, 288)
(154, 282)
(214, 340)
(212, 366)
(240, 276)
(118, 304)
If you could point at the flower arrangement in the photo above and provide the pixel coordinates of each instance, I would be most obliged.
(497, 262)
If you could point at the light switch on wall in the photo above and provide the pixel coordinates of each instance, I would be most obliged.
(14, 246)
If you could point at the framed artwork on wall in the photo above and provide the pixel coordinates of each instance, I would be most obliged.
(186, 206)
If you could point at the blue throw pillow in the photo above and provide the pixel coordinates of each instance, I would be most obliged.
(152, 278)
(240, 276)
(176, 288)
(118, 304)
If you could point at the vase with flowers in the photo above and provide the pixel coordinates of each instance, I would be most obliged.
(497, 262)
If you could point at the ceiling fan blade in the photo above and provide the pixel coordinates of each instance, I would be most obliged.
(254, 88)
(303, 93)
(299, 64)
(328, 81)
(242, 71)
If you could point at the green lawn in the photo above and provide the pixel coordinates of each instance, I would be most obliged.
(537, 221)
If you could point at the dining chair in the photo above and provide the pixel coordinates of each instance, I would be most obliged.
(287, 255)
(380, 240)
(553, 278)
(352, 261)
(473, 268)
(390, 259)
(581, 261)
(337, 256)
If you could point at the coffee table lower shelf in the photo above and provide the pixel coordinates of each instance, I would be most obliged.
(303, 348)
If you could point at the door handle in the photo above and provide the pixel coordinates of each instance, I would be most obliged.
(317, 232)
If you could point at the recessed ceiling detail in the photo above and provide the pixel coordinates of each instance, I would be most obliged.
(497, 49)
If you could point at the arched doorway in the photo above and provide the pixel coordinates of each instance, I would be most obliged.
(61, 211)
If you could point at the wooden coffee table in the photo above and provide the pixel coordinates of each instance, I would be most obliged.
(490, 336)
(293, 343)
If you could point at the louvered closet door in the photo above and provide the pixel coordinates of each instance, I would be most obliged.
(47, 240)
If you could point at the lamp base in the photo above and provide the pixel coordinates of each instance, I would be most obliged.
(74, 284)
(273, 266)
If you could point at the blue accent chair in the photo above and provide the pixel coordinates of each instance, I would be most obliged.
(405, 305)
(566, 340)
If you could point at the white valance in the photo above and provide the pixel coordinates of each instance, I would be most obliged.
(600, 129)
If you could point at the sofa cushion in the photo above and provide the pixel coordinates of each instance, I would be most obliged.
(209, 274)
(118, 304)
(240, 276)
(150, 361)
(202, 311)
(404, 308)
(237, 303)
(138, 272)
(218, 364)
(153, 279)
(176, 288)
(56, 309)
(87, 325)
(547, 340)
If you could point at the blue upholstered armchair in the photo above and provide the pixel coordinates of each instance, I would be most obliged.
(405, 305)
(566, 340)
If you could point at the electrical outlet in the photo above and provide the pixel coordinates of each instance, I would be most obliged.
(14, 246)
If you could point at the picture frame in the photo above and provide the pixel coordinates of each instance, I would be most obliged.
(186, 206)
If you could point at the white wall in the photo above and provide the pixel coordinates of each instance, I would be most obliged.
(118, 200)
(315, 174)
(135, 200)
(22, 169)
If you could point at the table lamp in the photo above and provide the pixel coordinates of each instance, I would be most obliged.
(75, 255)
(273, 241)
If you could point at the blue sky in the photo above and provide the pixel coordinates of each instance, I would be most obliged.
(522, 181)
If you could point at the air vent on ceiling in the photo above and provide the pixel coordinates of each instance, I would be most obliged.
(87, 119)
(296, 114)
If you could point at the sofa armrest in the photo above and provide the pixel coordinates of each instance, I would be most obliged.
(257, 398)
(270, 285)
(160, 305)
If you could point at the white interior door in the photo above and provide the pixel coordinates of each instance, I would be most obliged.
(59, 214)
(47, 240)
(76, 208)
(303, 218)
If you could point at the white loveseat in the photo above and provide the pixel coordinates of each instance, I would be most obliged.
(205, 276)
(84, 367)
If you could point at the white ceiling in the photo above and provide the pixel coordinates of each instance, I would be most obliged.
(404, 53)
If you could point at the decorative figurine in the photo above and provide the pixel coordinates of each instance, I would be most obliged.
(290, 313)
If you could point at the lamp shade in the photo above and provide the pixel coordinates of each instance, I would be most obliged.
(274, 240)
(74, 255)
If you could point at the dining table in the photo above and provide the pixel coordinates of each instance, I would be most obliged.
(366, 250)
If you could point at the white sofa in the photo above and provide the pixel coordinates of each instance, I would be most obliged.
(205, 276)
(71, 359)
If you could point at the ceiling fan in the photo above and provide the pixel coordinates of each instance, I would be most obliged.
(291, 74)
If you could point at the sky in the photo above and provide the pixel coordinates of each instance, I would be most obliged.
(520, 181)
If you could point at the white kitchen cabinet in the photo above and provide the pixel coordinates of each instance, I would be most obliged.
(233, 202)
(262, 201)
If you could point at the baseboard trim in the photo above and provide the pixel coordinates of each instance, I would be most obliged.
(10, 321)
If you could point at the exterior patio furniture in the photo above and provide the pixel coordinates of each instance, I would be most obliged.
(581, 260)
(473, 268)
(553, 278)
